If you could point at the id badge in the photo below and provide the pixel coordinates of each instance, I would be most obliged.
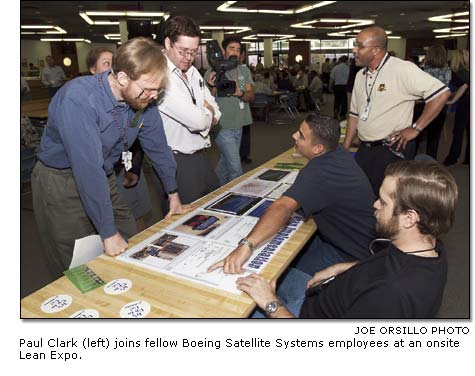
(241, 105)
(127, 160)
(365, 114)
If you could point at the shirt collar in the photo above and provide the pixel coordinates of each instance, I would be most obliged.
(110, 102)
(380, 65)
(173, 68)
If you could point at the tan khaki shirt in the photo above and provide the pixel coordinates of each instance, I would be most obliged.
(396, 85)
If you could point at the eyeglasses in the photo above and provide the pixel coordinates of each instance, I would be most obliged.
(185, 53)
(148, 91)
(360, 46)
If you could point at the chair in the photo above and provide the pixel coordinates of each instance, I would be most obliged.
(286, 103)
(317, 99)
(261, 105)
(27, 163)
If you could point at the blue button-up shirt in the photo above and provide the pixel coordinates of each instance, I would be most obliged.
(85, 132)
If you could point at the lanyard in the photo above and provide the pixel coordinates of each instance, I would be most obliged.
(368, 96)
(123, 129)
(189, 88)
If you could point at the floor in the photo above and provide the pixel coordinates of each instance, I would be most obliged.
(268, 140)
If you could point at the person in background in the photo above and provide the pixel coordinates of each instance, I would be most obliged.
(338, 80)
(326, 69)
(52, 76)
(91, 122)
(235, 113)
(133, 190)
(436, 66)
(460, 64)
(25, 93)
(245, 147)
(405, 279)
(260, 87)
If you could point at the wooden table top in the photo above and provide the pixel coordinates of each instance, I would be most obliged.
(169, 296)
(36, 108)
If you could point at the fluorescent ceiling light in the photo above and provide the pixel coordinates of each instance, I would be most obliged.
(234, 29)
(86, 16)
(346, 33)
(56, 29)
(226, 7)
(304, 40)
(450, 18)
(273, 36)
(117, 36)
(65, 40)
(452, 29)
(451, 35)
(349, 23)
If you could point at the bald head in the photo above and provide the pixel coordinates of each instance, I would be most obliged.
(377, 36)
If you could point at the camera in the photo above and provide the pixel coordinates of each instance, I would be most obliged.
(221, 65)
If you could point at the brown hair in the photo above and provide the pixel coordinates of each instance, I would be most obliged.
(436, 56)
(181, 25)
(94, 55)
(139, 56)
(428, 188)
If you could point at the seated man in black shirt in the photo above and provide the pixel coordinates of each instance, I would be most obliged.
(405, 279)
(332, 189)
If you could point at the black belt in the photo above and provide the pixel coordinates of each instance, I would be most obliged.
(372, 144)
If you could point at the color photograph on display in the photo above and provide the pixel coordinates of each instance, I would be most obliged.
(233, 203)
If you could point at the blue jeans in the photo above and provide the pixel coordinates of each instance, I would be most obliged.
(317, 255)
(229, 164)
(291, 292)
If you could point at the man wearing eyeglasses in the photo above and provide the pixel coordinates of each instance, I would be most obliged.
(188, 111)
(382, 105)
(92, 121)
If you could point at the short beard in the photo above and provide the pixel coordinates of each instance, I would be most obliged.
(388, 230)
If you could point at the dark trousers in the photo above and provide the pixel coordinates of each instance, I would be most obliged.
(434, 129)
(461, 123)
(61, 217)
(340, 106)
(195, 178)
(374, 160)
(52, 90)
(245, 148)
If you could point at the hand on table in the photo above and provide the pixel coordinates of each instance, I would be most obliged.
(114, 245)
(176, 207)
(233, 263)
(258, 288)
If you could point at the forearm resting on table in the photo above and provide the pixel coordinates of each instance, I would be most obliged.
(275, 217)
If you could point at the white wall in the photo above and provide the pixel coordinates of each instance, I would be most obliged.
(83, 48)
(34, 51)
(398, 46)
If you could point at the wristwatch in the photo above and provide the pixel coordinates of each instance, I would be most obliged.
(272, 307)
(246, 241)
(416, 128)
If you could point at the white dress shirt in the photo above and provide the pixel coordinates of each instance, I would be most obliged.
(53, 76)
(187, 124)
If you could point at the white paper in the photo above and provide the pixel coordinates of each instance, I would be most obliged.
(86, 249)
(188, 247)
